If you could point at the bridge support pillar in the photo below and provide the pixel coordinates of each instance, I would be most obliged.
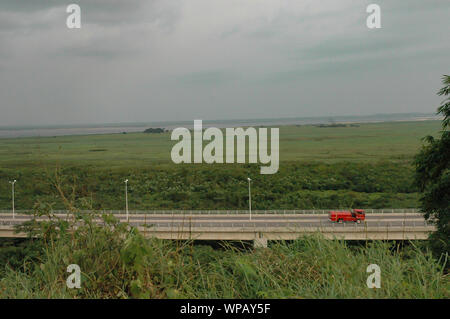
(260, 243)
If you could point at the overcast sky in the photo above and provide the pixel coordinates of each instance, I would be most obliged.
(145, 61)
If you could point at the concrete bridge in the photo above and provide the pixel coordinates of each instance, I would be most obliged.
(261, 226)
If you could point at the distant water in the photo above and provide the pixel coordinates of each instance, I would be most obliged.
(11, 132)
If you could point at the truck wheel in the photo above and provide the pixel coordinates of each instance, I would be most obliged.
(340, 221)
(358, 221)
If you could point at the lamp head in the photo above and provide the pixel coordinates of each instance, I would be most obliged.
(126, 181)
(248, 178)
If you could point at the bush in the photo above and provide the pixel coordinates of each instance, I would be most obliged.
(118, 262)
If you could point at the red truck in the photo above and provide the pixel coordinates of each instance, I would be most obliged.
(355, 215)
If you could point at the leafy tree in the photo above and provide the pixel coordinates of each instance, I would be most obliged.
(433, 176)
(154, 130)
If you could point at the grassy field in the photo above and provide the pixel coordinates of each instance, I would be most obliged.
(368, 142)
(367, 166)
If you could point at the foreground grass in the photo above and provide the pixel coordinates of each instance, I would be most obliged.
(118, 262)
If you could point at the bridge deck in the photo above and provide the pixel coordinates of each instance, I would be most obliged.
(261, 227)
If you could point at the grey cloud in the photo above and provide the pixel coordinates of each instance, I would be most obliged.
(110, 29)
(206, 78)
(141, 60)
(100, 12)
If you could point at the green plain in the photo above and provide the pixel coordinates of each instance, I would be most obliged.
(368, 142)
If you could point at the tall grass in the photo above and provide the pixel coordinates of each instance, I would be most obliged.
(118, 262)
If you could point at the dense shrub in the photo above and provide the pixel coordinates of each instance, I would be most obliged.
(168, 186)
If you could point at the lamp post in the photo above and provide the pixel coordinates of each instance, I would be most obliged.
(12, 186)
(249, 198)
(126, 197)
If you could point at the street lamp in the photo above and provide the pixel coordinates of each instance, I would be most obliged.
(12, 186)
(249, 198)
(126, 197)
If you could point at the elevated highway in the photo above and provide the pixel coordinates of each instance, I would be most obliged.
(406, 224)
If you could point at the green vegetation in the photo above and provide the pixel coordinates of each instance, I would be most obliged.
(321, 167)
(395, 141)
(154, 130)
(433, 176)
(365, 166)
(168, 186)
(336, 125)
(116, 261)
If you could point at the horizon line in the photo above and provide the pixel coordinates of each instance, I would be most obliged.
(137, 124)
